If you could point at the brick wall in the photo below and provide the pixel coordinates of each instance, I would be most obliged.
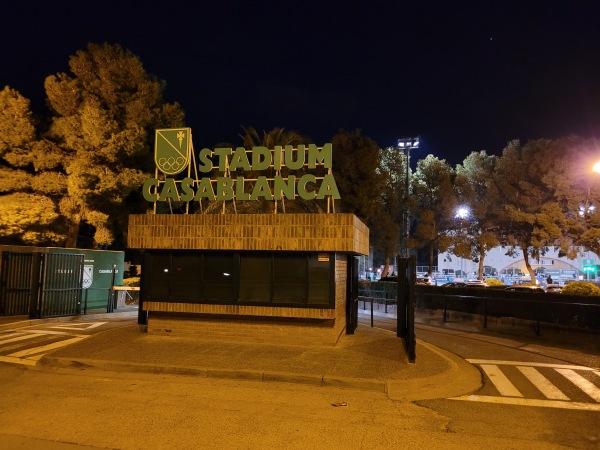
(268, 330)
(254, 232)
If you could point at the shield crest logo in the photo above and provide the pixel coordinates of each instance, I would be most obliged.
(88, 276)
(172, 149)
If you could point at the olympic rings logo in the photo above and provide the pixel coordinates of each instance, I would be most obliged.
(172, 165)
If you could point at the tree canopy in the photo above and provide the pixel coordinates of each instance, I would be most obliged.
(94, 155)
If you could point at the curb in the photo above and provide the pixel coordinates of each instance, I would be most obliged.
(462, 378)
(31, 322)
(52, 363)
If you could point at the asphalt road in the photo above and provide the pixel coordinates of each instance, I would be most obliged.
(75, 409)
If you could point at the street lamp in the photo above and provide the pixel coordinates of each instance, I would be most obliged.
(406, 144)
(462, 214)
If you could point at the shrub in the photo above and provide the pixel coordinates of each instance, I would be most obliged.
(493, 282)
(134, 281)
(581, 288)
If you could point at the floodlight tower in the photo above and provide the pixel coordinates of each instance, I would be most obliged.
(406, 145)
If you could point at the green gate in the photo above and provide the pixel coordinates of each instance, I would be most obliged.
(61, 284)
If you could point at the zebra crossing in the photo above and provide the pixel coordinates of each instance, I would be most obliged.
(27, 347)
(547, 385)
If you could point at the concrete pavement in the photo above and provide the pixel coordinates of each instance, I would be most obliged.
(371, 359)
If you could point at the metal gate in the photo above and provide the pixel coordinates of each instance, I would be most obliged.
(16, 282)
(41, 284)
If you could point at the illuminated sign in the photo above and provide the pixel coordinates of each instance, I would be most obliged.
(236, 172)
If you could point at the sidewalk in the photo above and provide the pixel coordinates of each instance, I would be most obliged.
(371, 359)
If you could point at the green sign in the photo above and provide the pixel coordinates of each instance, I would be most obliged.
(172, 150)
(307, 170)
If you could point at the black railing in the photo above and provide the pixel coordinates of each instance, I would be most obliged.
(555, 310)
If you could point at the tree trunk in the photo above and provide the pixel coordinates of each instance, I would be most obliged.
(72, 233)
(430, 271)
(386, 266)
(481, 257)
(527, 264)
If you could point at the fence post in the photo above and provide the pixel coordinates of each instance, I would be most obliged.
(111, 305)
(445, 308)
(484, 313)
(34, 293)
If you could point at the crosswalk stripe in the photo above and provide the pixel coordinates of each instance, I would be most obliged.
(579, 381)
(504, 386)
(21, 337)
(13, 360)
(542, 383)
(530, 402)
(43, 348)
(526, 363)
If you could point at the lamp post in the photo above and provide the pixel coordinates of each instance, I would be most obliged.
(406, 145)
(462, 214)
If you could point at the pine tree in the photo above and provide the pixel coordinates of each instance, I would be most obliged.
(104, 117)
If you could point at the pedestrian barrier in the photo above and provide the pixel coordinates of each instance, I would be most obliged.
(376, 296)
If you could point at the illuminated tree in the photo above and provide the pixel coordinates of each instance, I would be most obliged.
(30, 183)
(386, 224)
(477, 232)
(531, 219)
(435, 204)
(576, 187)
(104, 117)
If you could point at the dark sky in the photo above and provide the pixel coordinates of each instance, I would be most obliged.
(464, 75)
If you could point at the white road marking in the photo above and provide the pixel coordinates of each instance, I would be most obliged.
(531, 364)
(43, 348)
(12, 360)
(579, 381)
(80, 326)
(48, 332)
(556, 398)
(502, 383)
(542, 383)
(21, 337)
(529, 402)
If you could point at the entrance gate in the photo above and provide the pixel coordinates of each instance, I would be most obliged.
(41, 284)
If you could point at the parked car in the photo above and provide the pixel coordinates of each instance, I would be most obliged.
(470, 283)
(454, 284)
(480, 283)
(520, 288)
(420, 280)
(555, 288)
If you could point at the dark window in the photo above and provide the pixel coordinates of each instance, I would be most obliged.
(159, 275)
(218, 277)
(186, 277)
(255, 278)
(289, 279)
(319, 269)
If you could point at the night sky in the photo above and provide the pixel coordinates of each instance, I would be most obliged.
(464, 75)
